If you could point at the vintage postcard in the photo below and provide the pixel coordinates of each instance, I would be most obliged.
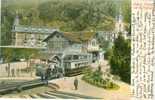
(77, 49)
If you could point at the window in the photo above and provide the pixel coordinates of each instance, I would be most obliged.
(93, 42)
(57, 36)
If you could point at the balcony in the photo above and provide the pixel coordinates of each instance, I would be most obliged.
(93, 48)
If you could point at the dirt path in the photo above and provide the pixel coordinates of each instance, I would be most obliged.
(66, 84)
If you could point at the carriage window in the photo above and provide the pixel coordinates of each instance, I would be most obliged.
(68, 58)
(67, 65)
(75, 57)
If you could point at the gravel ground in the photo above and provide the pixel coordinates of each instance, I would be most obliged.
(66, 84)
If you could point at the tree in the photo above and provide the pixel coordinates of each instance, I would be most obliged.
(120, 58)
(67, 15)
(15, 54)
(126, 7)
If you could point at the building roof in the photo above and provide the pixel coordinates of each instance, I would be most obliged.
(79, 37)
(48, 55)
(74, 36)
(32, 29)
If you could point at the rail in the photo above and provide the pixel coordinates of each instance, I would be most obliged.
(5, 88)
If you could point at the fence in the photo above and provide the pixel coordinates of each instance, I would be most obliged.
(14, 69)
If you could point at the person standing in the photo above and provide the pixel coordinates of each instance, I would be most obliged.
(47, 74)
(13, 72)
(42, 76)
(76, 83)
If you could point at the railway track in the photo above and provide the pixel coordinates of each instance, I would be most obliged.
(6, 88)
(18, 86)
(56, 95)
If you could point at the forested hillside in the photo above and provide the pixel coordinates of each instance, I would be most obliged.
(67, 15)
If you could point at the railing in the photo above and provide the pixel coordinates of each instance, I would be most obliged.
(77, 60)
(93, 48)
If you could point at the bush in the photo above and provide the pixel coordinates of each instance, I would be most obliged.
(95, 78)
(108, 54)
(116, 77)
